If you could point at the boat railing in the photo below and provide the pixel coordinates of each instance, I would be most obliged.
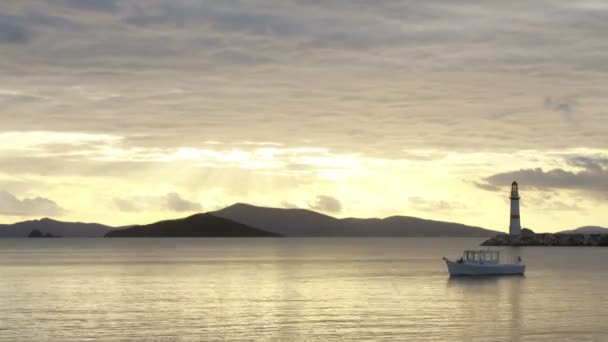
(489, 257)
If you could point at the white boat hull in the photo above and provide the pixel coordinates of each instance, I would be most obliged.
(475, 269)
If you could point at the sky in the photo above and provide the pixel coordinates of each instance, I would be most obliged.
(132, 111)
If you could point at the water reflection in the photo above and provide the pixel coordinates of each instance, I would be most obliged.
(292, 289)
(495, 299)
(471, 281)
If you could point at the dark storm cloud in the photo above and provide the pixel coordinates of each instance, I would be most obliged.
(327, 204)
(38, 206)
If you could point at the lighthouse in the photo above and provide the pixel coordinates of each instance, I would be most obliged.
(515, 226)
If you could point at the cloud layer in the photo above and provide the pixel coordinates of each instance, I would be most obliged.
(591, 177)
(37, 206)
(327, 204)
(170, 202)
(390, 107)
(371, 77)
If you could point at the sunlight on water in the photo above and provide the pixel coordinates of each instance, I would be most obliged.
(292, 289)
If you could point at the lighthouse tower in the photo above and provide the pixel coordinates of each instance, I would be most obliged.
(515, 226)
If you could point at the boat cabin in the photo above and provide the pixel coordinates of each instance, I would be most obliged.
(480, 257)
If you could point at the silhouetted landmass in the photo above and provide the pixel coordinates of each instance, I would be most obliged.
(586, 230)
(199, 225)
(300, 223)
(307, 223)
(38, 234)
(35, 234)
(55, 228)
(529, 238)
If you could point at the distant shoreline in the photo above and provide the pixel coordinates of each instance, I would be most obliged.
(549, 240)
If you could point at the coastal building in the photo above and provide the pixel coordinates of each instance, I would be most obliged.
(515, 225)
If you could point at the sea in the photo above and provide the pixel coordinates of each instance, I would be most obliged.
(293, 289)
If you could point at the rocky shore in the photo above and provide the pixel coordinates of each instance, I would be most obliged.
(529, 238)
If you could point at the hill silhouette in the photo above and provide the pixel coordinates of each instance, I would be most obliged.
(586, 230)
(199, 225)
(303, 222)
(55, 228)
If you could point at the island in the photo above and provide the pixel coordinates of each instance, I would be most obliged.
(199, 225)
(38, 234)
(530, 238)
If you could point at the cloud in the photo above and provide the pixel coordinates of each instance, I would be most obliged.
(12, 206)
(342, 68)
(591, 179)
(560, 206)
(7, 96)
(563, 206)
(486, 186)
(422, 204)
(565, 106)
(289, 205)
(126, 205)
(326, 204)
(12, 33)
(170, 202)
(592, 164)
(93, 5)
(238, 57)
(366, 83)
(176, 203)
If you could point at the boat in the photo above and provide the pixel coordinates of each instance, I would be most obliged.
(483, 262)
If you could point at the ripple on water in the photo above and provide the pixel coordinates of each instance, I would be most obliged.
(292, 289)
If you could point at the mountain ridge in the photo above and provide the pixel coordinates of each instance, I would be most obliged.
(308, 223)
(197, 225)
(54, 227)
(586, 230)
(296, 222)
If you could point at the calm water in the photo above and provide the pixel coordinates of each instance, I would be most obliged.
(292, 289)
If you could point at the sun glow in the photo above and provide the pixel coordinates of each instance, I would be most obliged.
(105, 171)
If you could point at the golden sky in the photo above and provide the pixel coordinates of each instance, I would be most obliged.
(124, 112)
